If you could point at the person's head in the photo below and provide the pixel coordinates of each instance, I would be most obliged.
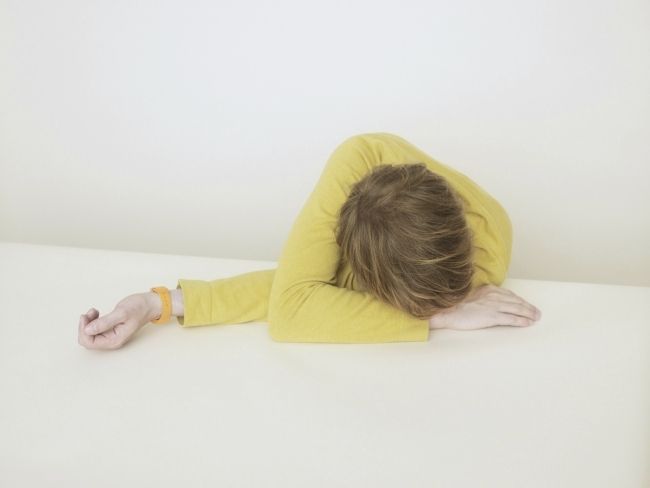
(404, 234)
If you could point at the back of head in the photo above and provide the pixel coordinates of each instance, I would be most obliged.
(403, 231)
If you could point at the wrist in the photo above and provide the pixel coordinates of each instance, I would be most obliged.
(155, 303)
(435, 321)
(177, 302)
(440, 320)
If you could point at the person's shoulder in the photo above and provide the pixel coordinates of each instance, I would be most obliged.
(372, 144)
(360, 152)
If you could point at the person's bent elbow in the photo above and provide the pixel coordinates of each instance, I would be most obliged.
(279, 323)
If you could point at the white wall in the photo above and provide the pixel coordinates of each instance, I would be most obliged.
(198, 127)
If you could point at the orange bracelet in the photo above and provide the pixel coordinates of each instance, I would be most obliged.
(165, 296)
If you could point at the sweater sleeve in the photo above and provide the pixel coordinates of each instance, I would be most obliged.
(305, 305)
(231, 300)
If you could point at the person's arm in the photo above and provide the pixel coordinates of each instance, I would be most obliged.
(235, 299)
(231, 300)
(155, 303)
(487, 306)
(305, 305)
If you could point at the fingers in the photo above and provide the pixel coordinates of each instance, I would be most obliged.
(83, 338)
(515, 320)
(530, 310)
(113, 339)
(99, 341)
(97, 324)
(519, 307)
(83, 320)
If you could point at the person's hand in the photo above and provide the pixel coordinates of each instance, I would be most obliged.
(114, 329)
(487, 306)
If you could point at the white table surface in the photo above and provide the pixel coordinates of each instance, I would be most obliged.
(563, 403)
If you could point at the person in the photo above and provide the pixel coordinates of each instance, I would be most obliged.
(389, 245)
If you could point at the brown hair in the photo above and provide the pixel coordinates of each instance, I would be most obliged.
(403, 231)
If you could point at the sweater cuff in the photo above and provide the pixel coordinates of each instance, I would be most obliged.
(197, 302)
(417, 330)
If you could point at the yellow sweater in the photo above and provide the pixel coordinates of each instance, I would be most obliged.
(308, 297)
